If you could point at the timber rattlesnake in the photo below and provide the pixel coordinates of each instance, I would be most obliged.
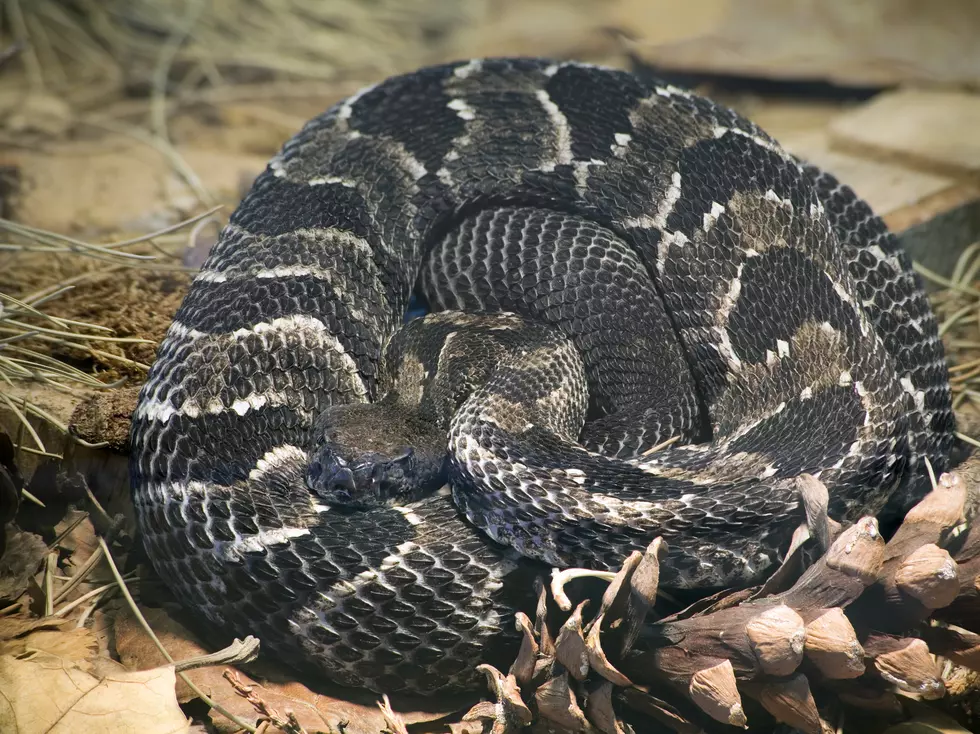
(641, 257)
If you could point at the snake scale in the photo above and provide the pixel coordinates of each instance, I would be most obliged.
(608, 263)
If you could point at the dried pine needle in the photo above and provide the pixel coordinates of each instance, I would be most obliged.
(957, 307)
(31, 339)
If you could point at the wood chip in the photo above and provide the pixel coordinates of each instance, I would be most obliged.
(932, 128)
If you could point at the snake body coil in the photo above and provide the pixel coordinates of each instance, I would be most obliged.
(612, 263)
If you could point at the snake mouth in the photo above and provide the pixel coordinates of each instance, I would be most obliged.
(367, 481)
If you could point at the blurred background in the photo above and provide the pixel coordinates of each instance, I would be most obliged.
(223, 82)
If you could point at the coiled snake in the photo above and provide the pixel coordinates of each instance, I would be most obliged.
(611, 263)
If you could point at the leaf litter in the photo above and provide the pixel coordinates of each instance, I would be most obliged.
(46, 693)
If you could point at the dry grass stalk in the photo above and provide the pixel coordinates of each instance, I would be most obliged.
(32, 340)
(957, 307)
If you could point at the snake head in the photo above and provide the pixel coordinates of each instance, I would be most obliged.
(368, 480)
(367, 456)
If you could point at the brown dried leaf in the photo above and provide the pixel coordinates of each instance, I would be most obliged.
(17, 625)
(137, 652)
(20, 561)
(76, 646)
(46, 695)
(77, 536)
(314, 711)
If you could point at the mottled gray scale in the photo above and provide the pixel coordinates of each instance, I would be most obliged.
(892, 294)
(559, 534)
(636, 190)
(265, 209)
(303, 291)
(715, 169)
(587, 282)
(596, 111)
(384, 175)
(781, 290)
(344, 263)
(456, 353)
(220, 448)
(489, 146)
